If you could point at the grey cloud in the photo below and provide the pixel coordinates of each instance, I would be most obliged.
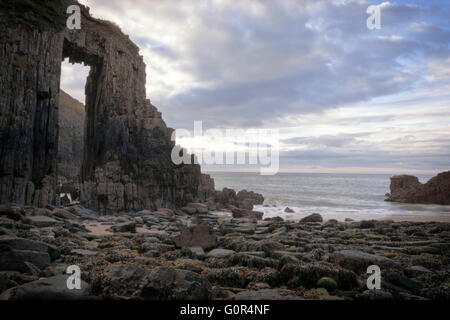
(263, 66)
(367, 158)
(338, 140)
(251, 69)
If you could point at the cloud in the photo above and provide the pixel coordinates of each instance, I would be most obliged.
(262, 63)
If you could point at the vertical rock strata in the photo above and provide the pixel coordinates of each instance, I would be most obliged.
(71, 139)
(127, 146)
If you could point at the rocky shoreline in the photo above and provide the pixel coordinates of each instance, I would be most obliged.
(171, 254)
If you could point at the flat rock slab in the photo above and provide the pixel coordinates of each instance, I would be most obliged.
(220, 253)
(84, 252)
(358, 261)
(54, 288)
(164, 283)
(266, 294)
(124, 227)
(15, 260)
(197, 251)
(22, 244)
(42, 221)
(192, 208)
(244, 213)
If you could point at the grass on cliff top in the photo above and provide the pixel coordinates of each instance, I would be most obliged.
(34, 14)
(118, 31)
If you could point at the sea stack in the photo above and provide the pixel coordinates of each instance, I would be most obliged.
(408, 189)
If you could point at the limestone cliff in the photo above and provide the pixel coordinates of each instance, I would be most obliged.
(127, 146)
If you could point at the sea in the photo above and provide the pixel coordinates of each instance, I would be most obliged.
(333, 195)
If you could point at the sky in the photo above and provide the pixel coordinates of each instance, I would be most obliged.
(344, 98)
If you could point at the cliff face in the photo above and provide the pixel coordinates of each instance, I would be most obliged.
(71, 138)
(408, 189)
(30, 67)
(126, 162)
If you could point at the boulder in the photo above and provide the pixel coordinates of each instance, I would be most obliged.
(225, 197)
(274, 219)
(266, 294)
(289, 210)
(193, 208)
(358, 261)
(312, 275)
(84, 253)
(327, 283)
(315, 217)
(244, 213)
(219, 253)
(53, 288)
(243, 199)
(16, 260)
(64, 214)
(198, 236)
(17, 252)
(165, 283)
(12, 212)
(117, 281)
(129, 226)
(165, 212)
(8, 242)
(402, 281)
(375, 295)
(197, 252)
(247, 199)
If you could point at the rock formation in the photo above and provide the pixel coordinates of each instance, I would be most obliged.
(226, 198)
(408, 189)
(70, 142)
(127, 146)
(172, 256)
(126, 162)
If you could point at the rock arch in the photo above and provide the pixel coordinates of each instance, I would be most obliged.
(126, 161)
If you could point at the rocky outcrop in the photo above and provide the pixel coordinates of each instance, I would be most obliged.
(127, 146)
(206, 189)
(408, 189)
(244, 213)
(243, 199)
(124, 161)
(226, 198)
(164, 259)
